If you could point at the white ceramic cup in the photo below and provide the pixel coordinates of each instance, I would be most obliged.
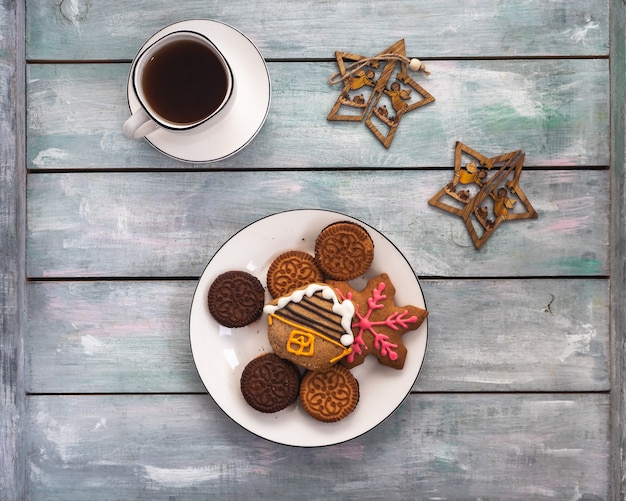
(182, 84)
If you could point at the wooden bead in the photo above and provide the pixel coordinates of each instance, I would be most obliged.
(415, 64)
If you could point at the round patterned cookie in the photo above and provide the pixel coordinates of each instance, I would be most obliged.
(329, 395)
(270, 383)
(344, 250)
(290, 271)
(236, 299)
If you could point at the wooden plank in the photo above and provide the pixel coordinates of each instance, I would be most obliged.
(12, 190)
(554, 336)
(556, 111)
(540, 447)
(618, 251)
(108, 337)
(65, 30)
(132, 337)
(169, 224)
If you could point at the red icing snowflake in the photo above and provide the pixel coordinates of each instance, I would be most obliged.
(381, 334)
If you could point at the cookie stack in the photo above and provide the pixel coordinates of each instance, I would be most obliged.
(318, 325)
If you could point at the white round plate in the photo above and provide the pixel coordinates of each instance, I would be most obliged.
(220, 354)
(242, 117)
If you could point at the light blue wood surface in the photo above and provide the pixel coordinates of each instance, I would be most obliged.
(132, 336)
(521, 395)
(450, 446)
(171, 224)
(557, 111)
(114, 29)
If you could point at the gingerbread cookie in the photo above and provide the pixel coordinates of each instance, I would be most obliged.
(310, 327)
(290, 271)
(344, 250)
(329, 395)
(379, 324)
(236, 299)
(269, 383)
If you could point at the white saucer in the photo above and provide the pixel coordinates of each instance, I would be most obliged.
(220, 354)
(242, 118)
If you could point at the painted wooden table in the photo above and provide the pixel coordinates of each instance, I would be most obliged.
(104, 238)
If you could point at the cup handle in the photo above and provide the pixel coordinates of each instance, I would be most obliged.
(139, 124)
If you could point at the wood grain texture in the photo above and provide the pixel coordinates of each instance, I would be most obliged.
(618, 251)
(540, 447)
(133, 337)
(169, 224)
(128, 231)
(556, 111)
(113, 29)
(12, 460)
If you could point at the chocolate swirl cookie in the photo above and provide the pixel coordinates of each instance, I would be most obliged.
(236, 299)
(269, 383)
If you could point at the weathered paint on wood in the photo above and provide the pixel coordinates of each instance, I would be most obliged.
(133, 337)
(113, 29)
(618, 336)
(553, 337)
(556, 111)
(540, 447)
(169, 224)
(495, 445)
(618, 252)
(12, 174)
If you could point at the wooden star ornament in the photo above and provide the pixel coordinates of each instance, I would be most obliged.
(485, 192)
(372, 92)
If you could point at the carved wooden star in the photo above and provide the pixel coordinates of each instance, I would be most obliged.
(485, 192)
(369, 91)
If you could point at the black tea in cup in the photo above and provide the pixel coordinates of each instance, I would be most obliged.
(185, 81)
